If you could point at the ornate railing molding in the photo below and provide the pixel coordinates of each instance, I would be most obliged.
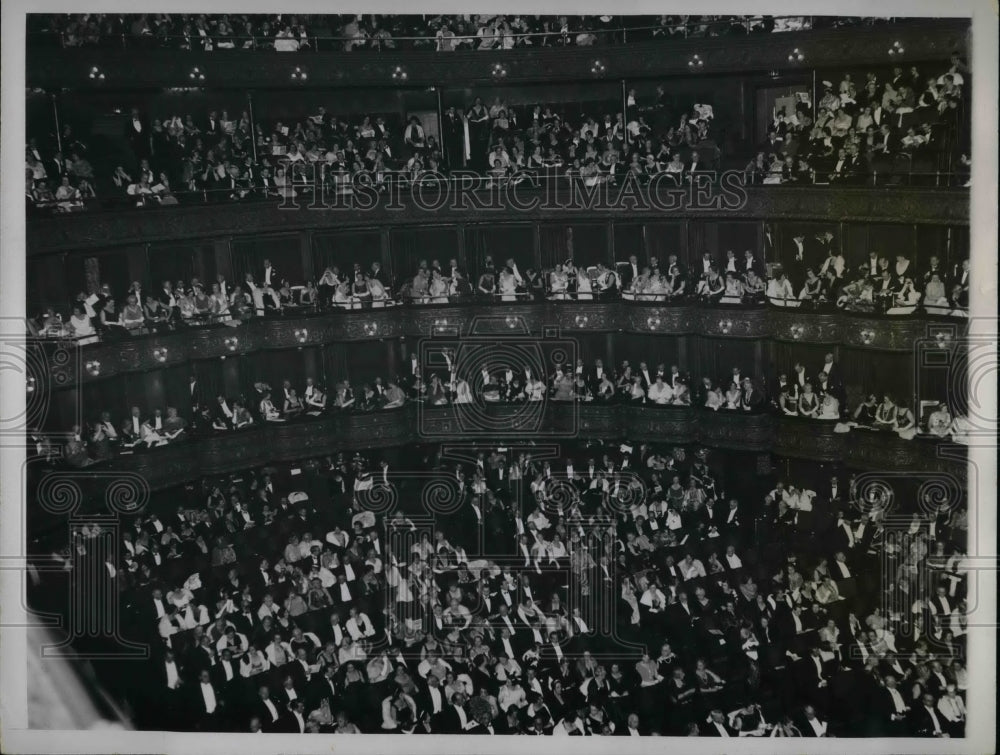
(764, 433)
(102, 360)
(85, 230)
(933, 39)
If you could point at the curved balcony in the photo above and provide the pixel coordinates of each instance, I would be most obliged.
(923, 39)
(76, 231)
(312, 438)
(882, 333)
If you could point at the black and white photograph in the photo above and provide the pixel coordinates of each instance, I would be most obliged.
(371, 371)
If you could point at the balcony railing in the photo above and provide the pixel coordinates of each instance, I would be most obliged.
(309, 438)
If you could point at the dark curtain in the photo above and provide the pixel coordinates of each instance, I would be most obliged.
(662, 240)
(590, 245)
(408, 246)
(49, 282)
(501, 242)
(273, 368)
(248, 255)
(590, 346)
(890, 239)
(738, 236)
(651, 349)
(867, 371)
(343, 249)
(210, 380)
(716, 357)
(180, 262)
(931, 241)
(99, 396)
(555, 244)
(335, 364)
(785, 355)
(629, 240)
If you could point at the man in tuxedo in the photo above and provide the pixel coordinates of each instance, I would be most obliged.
(717, 726)
(268, 711)
(891, 709)
(206, 703)
(138, 134)
(454, 719)
(812, 725)
(430, 698)
(628, 271)
(926, 720)
(294, 722)
(226, 674)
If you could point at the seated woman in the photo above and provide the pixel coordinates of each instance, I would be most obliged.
(149, 435)
(864, 415)
(734, 290)
(885, 415)
(906, 424)
(437, 288)
(293, 404)
(174, 425)
(682, 394)
(157, 316)
(605, 389)
(379, 296)
(268, 410)
(394, 396)
(308, 295)
(715, 397)
(829, 407)
(788, 404)
(344, 398)
(753, 287)
(939, 422)
(75, 450)
(584, 286)
(636, 393)
(935, 296)
(813, 286)
(508, 285)
(361, 291)
(202, 302)
(133, 318)
(316, 402)
(906, 299)
(808, 402)
(558, 283)
(81, 327)
(674, 282)
(712, 287)
(535, 389)
(562, 387)
(342, 297)
(581, 390)
(463, 393)
(436, 393)
(733, 396)
(369, 399)
(779, 292)
(185, 304)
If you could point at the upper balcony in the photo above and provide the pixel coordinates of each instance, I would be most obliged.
(54, 67)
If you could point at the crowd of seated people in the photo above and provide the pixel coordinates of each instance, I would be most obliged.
(277, 605)
(819, 278)
(893, 123)
(228, 157)
(444, 33)
(102, 438)
(732, 280)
